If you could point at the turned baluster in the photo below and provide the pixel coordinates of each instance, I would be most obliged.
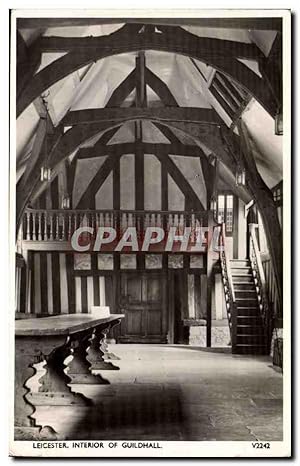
(75, 221)
(101, 219)
(51, 227)
(57, 227)
(153, 219)
(63, 227)
(193, 228)
(28, 225)
(176, 221)
(70, 227)
(91, 222)
(158, 220)
(33, 226)
(39, 226)
(181, 222)
(45, 227)
(124, 221)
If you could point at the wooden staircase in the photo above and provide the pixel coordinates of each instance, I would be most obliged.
(250, 335)
(246, 302)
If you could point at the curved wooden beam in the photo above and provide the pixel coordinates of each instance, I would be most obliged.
(210, 136)
(160, 114)
(264, 24)
(220, 54)
(116, 99)
(207, 45)
(146, 147)
(168, 133)
(265, 203)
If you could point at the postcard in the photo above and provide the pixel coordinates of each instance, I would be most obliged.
(149, 198)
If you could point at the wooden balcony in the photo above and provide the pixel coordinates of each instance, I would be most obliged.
(58, 226)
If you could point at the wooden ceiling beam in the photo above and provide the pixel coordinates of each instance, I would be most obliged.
(97, 181)
(264, 24)
(141, 95)
(116, 99)
(146, 147)
(122, 91)
(210, 135)
(264, 199)
(160, 88)
(30, 178)
(28, 61)
(112, 161)
(160, 114)
(220, 54)
(180, 180)
(168, 133)
(271, 70)
(191, 42)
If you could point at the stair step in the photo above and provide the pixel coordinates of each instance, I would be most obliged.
(239, 263)
(243, 299)
(250, 339)
(248, 312)
(241, 294)
(243, 286)
(250, 329)
(246, 302)
(240, 267)
(237, 272)
(249, 320)
(242, 279)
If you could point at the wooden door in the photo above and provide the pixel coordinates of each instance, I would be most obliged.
(142, 299)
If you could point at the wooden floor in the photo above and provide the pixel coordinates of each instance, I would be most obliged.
(164, 392)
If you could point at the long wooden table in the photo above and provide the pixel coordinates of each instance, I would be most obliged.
(53, 339)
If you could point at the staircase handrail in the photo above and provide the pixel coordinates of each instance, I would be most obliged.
(228, 287)
(259, 274)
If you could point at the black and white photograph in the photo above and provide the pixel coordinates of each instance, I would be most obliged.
(150, 177)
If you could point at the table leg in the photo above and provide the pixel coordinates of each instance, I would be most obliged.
(29, 351)
(97, 351)
(54, 388)
(80, 367)
(108, 355)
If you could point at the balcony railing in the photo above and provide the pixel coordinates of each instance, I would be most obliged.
(59, 225)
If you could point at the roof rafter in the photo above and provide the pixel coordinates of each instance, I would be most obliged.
(221, 54)
(97, 181)
(122, 91)
(160, 88)
(180, 180)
